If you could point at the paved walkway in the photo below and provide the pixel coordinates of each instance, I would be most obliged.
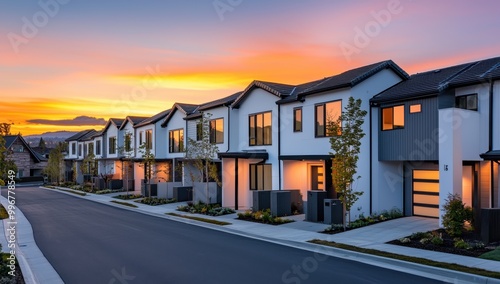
(297, 233)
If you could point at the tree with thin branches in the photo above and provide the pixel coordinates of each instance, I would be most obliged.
(346, 145)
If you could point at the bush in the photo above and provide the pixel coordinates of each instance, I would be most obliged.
(420, 235)
(438, 241)
(154, 201)
(461, 244)
(456, 213)
(206, 209)
(425, 241)
(405, 240)
(263, 217)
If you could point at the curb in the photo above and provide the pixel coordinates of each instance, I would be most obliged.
(27, 252)
(430, 272)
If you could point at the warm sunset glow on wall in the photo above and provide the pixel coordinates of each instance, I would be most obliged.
(102, 60)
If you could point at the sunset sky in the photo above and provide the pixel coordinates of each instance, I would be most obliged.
(72, 64)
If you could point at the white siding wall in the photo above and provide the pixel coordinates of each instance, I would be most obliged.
(259, 101)
(496, 116)
(143, 129)
(161, 141)
(221, 112)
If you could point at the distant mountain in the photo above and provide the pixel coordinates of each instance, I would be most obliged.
(51, 138)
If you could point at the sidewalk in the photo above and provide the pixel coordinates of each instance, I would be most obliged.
(297, 234)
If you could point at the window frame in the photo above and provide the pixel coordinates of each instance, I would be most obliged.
(253, 138)
(98, 147)
(73, 148)
(324, 119)
(172, 148)
(297, 124)
(80, 150)
(127, 142)
(199, 130)
(112, 145)
(393, 126)
(466, 101)
(213, 130)
(148, 139)
(254, 182)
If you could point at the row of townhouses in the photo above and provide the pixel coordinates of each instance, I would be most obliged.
(427, 135)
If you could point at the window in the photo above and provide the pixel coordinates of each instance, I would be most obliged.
(98, 147)
(217, 131)
(91, 149)
(79, 149)
(176, 141)
(261, 177)
(325, 113)
(415, 108)
(73, 148)
(297, 119)
(467, 102)
(85, 148)
(112, 145)
(393, 117)
(149, 139)
(128, 142)
(199, 131)
(141, 140)
(260, 129)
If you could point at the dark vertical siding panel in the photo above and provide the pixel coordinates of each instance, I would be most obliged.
(418, 141)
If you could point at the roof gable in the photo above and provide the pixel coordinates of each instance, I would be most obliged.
(185, 109)
(79, 135)
(277, 89)
(11, 139)
(133, 120)
(154, 119)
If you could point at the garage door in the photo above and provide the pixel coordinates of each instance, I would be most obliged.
(426, 193)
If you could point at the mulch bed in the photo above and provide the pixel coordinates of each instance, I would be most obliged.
(448, 245)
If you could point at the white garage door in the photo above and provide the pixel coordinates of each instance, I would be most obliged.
(426, 193)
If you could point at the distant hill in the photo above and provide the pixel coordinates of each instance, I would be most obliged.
(51, 138)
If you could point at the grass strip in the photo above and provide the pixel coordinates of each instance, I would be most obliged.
(215, 222)
(492, 255)
(451, 266)
(3, 213)
(124, 203)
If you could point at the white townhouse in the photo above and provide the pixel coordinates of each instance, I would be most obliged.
(127, 151)
(175, 127)
(109, 163)
(305, 142)
(151, 137)
(439, 133)
(77, 151)
(282, 142)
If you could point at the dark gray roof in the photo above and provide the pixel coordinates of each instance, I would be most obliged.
(88, 136)
(79, 135)
(187, 109)
(9, 140)
(213, 104)
(277, 89)
(430, 83)
(493, 155)
(133, 120)
(347, 79)
(154, 119)
(117, 121)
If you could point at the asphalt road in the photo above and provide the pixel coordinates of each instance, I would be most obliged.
(87, 242)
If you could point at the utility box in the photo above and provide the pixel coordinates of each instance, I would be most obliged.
(315, 206)
(261, 200)
(281, 203)
(333, 211)
(183, 193)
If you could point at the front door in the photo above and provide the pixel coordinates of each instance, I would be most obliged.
(317, 177)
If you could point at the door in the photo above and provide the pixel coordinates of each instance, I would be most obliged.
(317, 177)
(426, 193)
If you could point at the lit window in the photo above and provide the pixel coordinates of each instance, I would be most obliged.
(149, 139)
(297, 120)
(176, 141)
(326, 113)
(393, 117)
(112, 145)
(217, 131)
(415, 108)
(260, 129)
(261, 177)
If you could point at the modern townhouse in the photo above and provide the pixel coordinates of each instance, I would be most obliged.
(127, 151)
(152, 139)
(76, 154)
(282, 141)
(109, 162)
(438, 133)
(218, 114)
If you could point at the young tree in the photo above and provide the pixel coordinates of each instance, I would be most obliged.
(345, 147)
(127, 152)
(42, 145)
(54, 169)
(200, 154)
(148, 162)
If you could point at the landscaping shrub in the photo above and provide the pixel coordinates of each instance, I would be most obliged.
(206, 209)
(456, 214)
(438, 241)
(154, 201)
(128, 196)
(461, 244)
(264, 217)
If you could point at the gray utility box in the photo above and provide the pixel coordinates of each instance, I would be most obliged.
(297, 202)
(261, 200)
(333, 211)
(145, 191)
(315, 206)
(490, 225)
(281, 203)
(183, 193)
